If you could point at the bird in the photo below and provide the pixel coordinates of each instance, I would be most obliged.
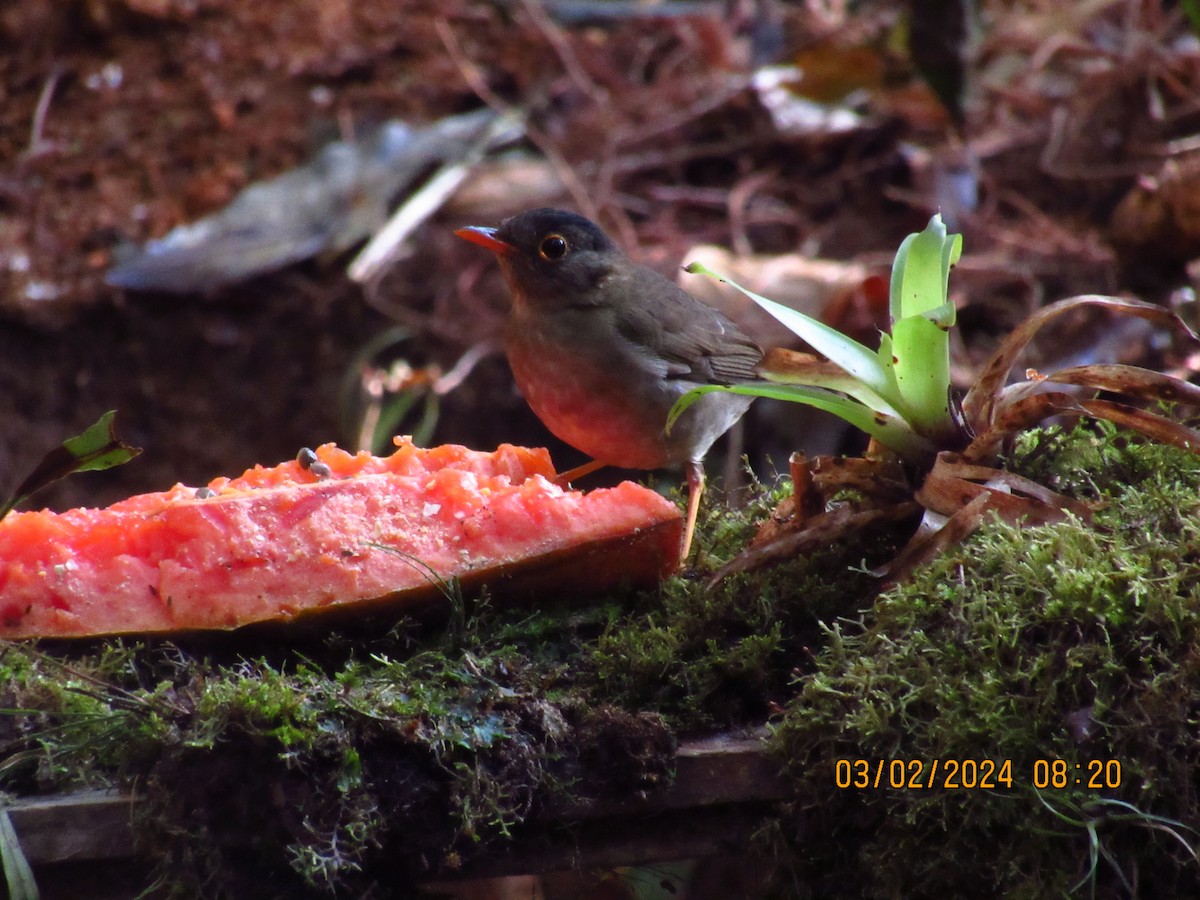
(601, 348)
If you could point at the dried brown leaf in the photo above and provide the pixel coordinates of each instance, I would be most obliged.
(782, 364)
(954, 483)
(806, 499)
(951, 491)
(1150, 424)
(1015, 416)
(932, 539)
(879, 479)
(1132, 381)
(821, 530)
(817, 481)
(979, 405)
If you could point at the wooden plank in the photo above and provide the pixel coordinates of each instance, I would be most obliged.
(89, 825)
(618, 842)
(708, 771)
(723, 788)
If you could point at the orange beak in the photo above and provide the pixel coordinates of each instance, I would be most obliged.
(485, 237)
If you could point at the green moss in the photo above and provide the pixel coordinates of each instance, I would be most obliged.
(278, 775)
(75, 725)
(1027, 644)
(718, 656)
(434, 754)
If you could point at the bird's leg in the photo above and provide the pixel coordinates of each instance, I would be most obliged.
(565, 478)
(695, 480)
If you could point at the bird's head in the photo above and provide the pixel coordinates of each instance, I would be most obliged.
(550, 256)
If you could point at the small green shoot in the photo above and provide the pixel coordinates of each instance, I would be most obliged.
(922, 316)
(379, 401)
(1106, 810)
(95, 449)
(17, 872)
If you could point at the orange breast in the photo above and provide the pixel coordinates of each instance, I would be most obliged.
(600, 408)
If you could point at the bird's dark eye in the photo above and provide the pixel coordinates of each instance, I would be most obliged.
(552, 247)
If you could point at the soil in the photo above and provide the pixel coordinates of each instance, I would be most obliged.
(159, 113)
(120, 119)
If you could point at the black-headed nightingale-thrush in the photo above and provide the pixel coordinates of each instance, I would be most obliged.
(602, 348)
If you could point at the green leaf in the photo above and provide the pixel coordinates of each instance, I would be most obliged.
(96, 448)
(891, 431)
(1191, 9)
(18, 874)
(922, 368)
(848, 353)
(921, 272)
(922, 316)
(823, 375)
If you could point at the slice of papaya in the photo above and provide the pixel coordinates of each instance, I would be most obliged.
(288, 541)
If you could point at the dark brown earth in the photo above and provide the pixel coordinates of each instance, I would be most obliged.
(120, 119)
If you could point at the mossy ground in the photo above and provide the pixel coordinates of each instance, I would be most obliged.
(1030, 644)
(334, 764)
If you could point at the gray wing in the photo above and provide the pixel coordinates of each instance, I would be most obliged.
(698, 342)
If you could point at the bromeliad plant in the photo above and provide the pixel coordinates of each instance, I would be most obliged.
(898, 394)
(927, 452)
